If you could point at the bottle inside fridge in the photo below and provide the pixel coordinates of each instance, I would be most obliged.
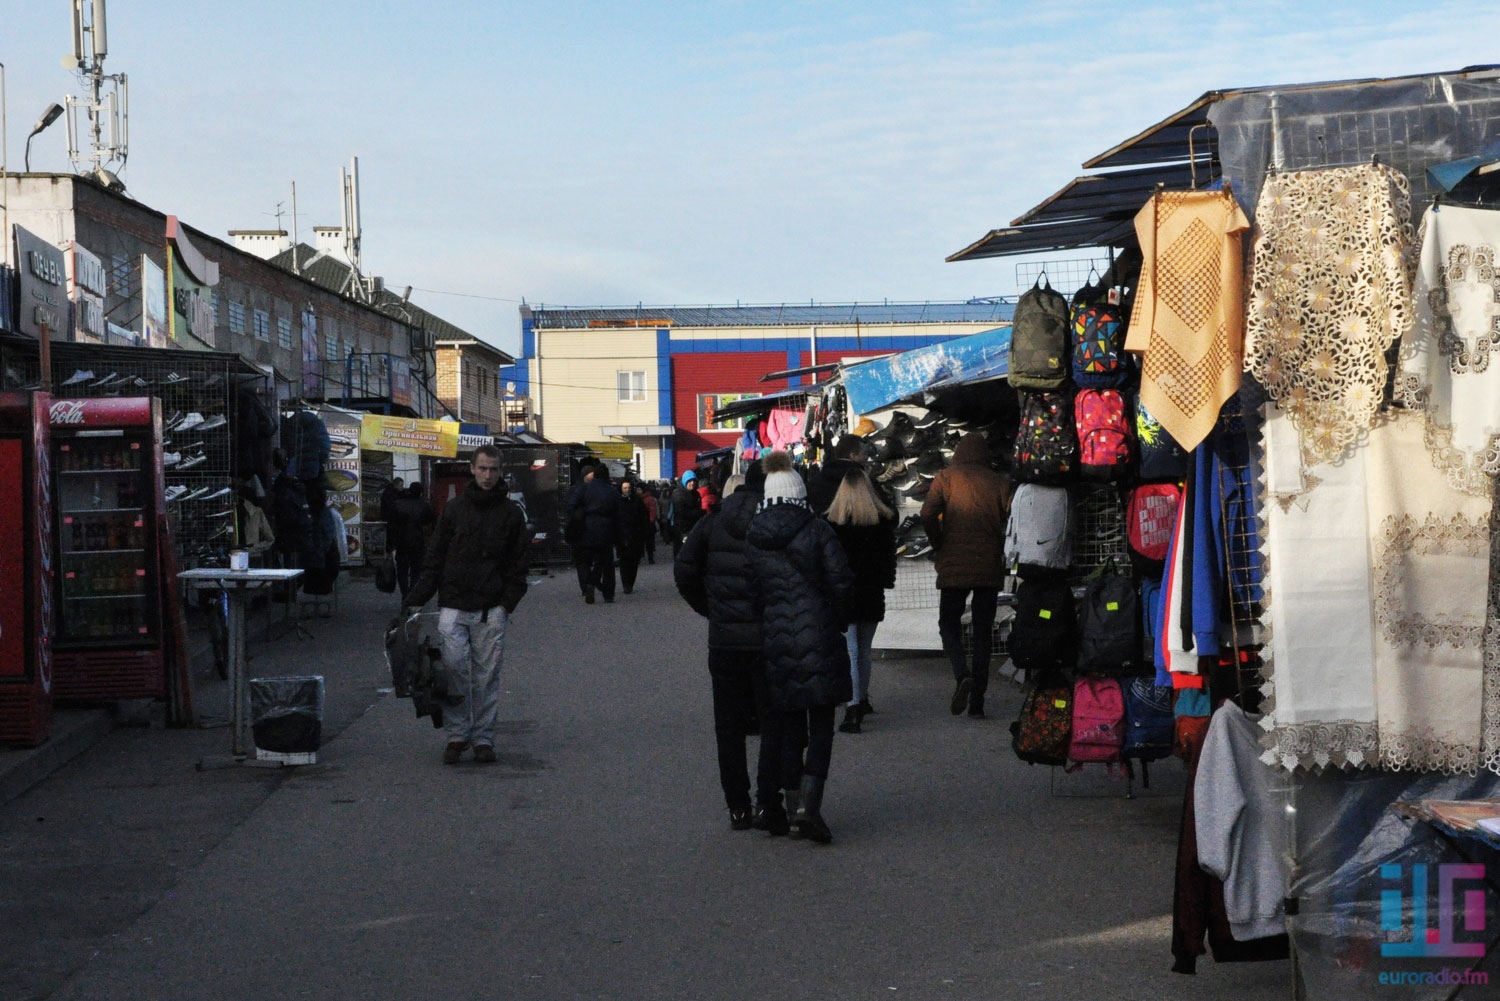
(103, 495)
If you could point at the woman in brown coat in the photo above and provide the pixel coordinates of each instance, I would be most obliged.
(965, 516)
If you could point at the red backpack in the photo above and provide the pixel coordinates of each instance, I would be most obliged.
(1103, 434)
(1151, 518)
(1098, 720)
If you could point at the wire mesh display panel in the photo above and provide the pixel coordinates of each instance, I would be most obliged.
(1099, 531)
(198, 393)
(916, 584)
(1067, 275)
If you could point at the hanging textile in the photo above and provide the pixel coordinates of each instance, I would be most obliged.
(1330, 293)
(1445, 360)
(1188, 317)
(1320, 705)
(1430, 559)
(783, 428)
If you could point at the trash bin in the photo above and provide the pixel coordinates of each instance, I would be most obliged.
(286, 718)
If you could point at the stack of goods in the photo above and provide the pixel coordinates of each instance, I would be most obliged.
(906, 454)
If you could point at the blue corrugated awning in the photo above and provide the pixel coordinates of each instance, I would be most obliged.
(963, 360)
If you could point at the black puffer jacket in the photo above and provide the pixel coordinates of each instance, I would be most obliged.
(713, 574)
(477, 557)
(634, 525)
(872, 558)
(599, 502)
(805, 585)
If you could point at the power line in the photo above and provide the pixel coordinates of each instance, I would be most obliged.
(466, 295)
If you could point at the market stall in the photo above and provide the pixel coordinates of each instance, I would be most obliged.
(1304, 437)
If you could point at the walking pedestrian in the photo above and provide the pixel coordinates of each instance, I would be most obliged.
(686, 509)
(631, 535)
(866, 528)
(411, 523)
(388, 497)
(849, 454)
(476, 565)
(713, 575)
(596, 511)
(804, 586)
(648, 498)
(964, 515)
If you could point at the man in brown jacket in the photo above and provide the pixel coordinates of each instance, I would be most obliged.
(965, 516)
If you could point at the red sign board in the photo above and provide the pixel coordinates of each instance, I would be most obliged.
(114, 412)
(12, 561)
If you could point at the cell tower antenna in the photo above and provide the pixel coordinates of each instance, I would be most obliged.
(355, 285)
(107, 105)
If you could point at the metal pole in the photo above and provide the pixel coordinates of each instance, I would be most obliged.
(44, 355)
(296, 264)
(239, 688)
(4, 164)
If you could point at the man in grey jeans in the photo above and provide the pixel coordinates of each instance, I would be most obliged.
(476, 565)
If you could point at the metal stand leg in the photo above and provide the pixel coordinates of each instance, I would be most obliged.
(239, 693)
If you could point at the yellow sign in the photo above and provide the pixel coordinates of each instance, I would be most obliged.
(405, 434)
(612, 449)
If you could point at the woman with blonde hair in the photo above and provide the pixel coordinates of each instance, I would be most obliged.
(866, 526)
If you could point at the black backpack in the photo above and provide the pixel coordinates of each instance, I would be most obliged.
(1047, 441)
(1040, 352)
(1042, 637)
(1109, 640)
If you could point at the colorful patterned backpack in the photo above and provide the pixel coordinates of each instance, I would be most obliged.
(1039, 339)
(1042, 734)
(1103, 434)
(1161, 457)
(1099, 359)
(1047, 441)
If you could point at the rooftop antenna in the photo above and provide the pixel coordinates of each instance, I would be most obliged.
(354, 285)
(107, 105)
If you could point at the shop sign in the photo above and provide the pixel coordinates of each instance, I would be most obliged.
(708, 405)
(343, 477)
(154, 329)
(471, 436)
(622, 450)
(406, 434)
(43, 299)
(86, 286)
(123, 411)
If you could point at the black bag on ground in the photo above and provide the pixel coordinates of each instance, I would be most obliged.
(1042, 637)
(385, 576)
(1109, 640)
(1041, 355)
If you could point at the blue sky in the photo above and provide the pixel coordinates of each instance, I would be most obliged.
(601, 153)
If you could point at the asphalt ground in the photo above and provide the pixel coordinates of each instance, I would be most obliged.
(595, 859)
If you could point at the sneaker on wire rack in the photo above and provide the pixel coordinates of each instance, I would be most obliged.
(190, 462)
(221, 514)
(192, 420)
(175, 492)
(216, 421)
(173, 379)
(217, 493)
(104, 381)
(80, 375)
(198, 494)
(171, 458)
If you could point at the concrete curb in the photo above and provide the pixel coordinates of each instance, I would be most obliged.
(73, 733)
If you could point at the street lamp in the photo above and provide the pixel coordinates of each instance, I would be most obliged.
(49, 116)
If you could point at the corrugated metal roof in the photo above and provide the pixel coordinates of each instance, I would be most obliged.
(787, 314)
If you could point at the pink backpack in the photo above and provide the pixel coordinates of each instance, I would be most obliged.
(1151, 518)
(1098, 720)
(1103, 434)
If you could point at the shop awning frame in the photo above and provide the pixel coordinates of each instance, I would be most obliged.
(763, 404)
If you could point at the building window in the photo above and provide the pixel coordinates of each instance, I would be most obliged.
(333, 347)
(236, 317)
(632, 386)
(262, 325)
(119, 276)
(284, 333)
(468, 376)
(213, 298)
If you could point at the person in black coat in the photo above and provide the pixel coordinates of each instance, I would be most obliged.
(686, 507)
(866, 528)
(631, 534)
(713, 575)
(411, 521)
(595, 506)
(805, 588)
(848, 454)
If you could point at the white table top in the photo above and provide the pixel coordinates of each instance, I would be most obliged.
(222, 577)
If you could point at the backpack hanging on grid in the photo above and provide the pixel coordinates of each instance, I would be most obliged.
(1047, 441)
(1039, 532)
(1043, 635)
(1098, 340)
(1109, 639)
(1042, 733)
(1104, 446)
(1040, 354)
(1161, 457)
(1098, 722)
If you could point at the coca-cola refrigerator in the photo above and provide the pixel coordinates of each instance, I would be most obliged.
(107, 470)
(26, 570)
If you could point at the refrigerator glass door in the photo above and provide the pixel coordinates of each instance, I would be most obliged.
(105, 565)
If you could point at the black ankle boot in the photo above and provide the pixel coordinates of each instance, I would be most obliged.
(772, 819)
(852, 719)
(793, 804)
(808, 820)
(740, 818)
(976, 706)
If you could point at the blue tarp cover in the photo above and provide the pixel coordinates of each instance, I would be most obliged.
(884, 381)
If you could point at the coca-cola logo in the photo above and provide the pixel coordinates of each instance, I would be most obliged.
(66, 412)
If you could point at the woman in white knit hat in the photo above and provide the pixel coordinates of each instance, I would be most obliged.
(805, 588)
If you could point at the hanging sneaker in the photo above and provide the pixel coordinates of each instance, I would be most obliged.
(80, 375)
(222, 514)
(175, 492)
(173, 379)
(104, 381)
(216, 421)
(196, 460)
(170, 458)
(217, 493)
(192, 420)
(198, 494)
